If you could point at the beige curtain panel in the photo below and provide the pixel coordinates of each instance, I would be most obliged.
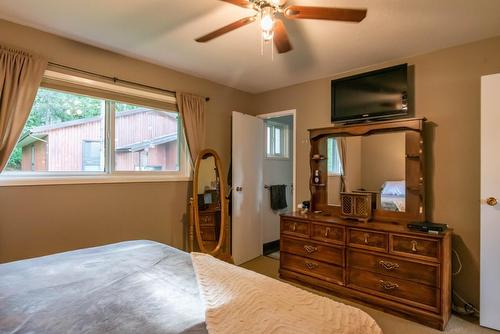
(192, 110)
(342, 147)
(20, 77)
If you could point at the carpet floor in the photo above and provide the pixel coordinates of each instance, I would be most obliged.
(390, 324)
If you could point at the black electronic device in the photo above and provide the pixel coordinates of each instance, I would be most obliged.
(370, 96)
(427, 227)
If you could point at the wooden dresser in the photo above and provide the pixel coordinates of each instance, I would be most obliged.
(383, 264)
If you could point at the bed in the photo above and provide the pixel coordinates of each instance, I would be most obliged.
(393, 196)
(148, 287)
(127, 287)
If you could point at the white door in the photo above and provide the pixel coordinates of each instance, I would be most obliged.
(247, 181)
(490, 192)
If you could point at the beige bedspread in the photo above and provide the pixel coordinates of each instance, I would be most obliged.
(241, 301)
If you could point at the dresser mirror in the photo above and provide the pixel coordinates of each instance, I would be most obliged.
(208, 221)
(382, 159)
(374, 163)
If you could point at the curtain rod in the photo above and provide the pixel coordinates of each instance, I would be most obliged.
(116, 80)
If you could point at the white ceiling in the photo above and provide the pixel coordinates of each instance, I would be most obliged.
(163, 32)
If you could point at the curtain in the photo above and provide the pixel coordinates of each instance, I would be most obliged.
(192, 110)
(20, 77)
(342, 148)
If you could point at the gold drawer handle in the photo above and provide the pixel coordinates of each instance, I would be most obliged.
(388, 265)
(311, 265)
(387, 285)
(310, 249)
(293, 227)
(366, 238)
(413, 246)
(327, 231)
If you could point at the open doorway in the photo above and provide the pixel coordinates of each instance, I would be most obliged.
(278, 176)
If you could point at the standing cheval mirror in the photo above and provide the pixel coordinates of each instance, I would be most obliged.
(208, 221)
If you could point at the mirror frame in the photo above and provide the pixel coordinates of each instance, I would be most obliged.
(414, 165)
(223, 203)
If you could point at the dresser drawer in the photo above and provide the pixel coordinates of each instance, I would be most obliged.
(423, 248)
(328, 233)
(394, 267)
(321, 270)
(208, 233)
(367, 239)
(295, 227)
(330, 254)
(207, 219)
(403, 291)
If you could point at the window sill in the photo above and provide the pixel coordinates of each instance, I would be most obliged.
(276, 158)
(14, 181)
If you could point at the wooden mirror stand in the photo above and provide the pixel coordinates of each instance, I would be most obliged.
(414, 166)
(212, 233)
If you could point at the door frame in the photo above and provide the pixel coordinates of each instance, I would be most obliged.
(293, 113)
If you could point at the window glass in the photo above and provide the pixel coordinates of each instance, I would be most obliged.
(92, 156)
(334, 163)
(277, 141)
(145, 139)
(52, 138)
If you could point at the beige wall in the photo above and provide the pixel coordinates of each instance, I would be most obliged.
(46, 219)
(447, 89)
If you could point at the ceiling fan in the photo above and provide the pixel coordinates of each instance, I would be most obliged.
(273, 28)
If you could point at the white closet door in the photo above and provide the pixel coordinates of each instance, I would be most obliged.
(490, 193)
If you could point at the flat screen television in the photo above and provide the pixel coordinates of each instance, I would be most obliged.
(371, 96)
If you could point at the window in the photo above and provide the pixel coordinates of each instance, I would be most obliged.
(92, 156)
(149, 147)
(334, 162)
(277, 139)
(52, 138)
(70, 134)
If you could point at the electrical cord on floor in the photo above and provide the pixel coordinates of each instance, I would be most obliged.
(459, 263)
(467, 308)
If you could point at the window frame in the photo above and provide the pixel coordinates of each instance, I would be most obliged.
(109, 175)
(284, 141)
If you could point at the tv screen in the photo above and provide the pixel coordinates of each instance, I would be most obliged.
(372, 95)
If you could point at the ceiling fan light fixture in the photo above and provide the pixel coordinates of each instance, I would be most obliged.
(267, 35)
(267, 19)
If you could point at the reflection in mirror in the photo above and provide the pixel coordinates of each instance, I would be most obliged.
(209, 204)
(374, 164)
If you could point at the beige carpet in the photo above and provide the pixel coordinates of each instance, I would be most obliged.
(390, 324)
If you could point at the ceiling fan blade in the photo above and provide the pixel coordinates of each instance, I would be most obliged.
(281, 37)
(325, 13)
(241, 3)
(226, 29)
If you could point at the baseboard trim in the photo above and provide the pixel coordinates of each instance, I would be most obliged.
(271, 247)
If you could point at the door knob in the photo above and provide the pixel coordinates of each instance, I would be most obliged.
(239, 188)
(491, 201)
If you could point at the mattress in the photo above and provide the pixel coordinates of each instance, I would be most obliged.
(128, 287)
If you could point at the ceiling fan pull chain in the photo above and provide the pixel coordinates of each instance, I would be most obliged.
(261, 46)
(272, 49)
